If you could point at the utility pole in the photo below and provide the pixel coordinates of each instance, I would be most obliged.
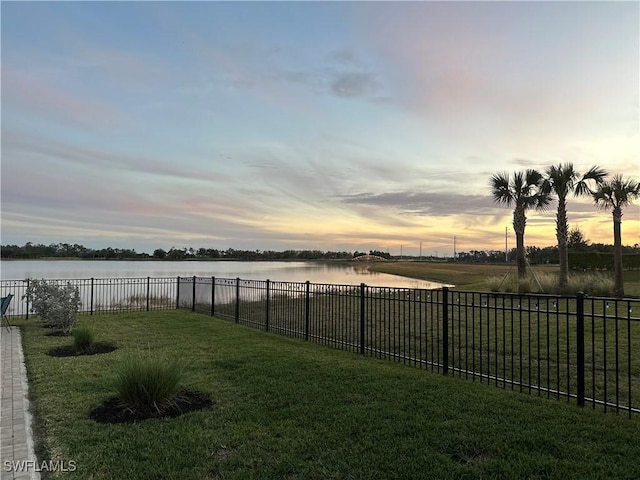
(420, 250)
(454, 248)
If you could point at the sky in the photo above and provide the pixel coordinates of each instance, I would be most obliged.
(309, 125)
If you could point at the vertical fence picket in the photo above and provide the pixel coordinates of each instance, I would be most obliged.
(237, 314)
(267, 312)
(307, 309)
(193, 295)
(91, 298)
(362, 317)
(177, 292)
(26, 297)
(148, 292)
(213, 295)
(580, 347)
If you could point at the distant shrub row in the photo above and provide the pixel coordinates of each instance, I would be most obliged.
(602, 261)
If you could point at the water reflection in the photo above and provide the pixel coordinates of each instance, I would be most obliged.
(315, 272)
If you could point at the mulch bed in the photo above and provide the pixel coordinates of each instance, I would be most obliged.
(113, 411)
(71, 350)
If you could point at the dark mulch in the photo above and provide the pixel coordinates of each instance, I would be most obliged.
(71, 350)
(113, 411)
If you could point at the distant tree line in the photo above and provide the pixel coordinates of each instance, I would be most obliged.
(536, 256)
(66, 250)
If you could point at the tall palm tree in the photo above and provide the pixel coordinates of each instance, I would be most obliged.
(562, 180)
(523, 191)
(615, 194)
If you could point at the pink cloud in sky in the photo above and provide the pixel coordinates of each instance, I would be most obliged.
(25, 92)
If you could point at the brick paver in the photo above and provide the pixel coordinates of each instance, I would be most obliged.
(17, 458)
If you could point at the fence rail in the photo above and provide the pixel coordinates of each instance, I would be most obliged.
(574, 348)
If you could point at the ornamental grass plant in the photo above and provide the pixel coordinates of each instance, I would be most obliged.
(83, 339)
(595, 284)
(148, 384)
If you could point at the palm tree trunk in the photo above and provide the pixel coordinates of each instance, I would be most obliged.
(618, 289)
(519, 224)
(562, 234)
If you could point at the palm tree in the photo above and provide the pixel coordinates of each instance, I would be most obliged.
(615, 194)
(562, 180)
(523, 191)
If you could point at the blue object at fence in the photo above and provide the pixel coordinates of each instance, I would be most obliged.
(3, 309)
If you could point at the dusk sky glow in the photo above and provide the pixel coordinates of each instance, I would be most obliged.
(304, 125)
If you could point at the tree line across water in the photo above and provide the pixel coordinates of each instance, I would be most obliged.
(577, 245)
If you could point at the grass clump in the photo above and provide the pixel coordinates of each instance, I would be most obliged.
(83, 339)
(148, 384)
(596, 284)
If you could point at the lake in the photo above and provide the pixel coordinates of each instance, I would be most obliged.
(342, 273)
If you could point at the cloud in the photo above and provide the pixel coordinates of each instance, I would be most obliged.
(34, 149)
(341, 74)
(23, 92)
(353, 85)
(440, 204)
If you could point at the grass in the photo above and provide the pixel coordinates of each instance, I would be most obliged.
(473, 277)
(526, 340)
(286, 409)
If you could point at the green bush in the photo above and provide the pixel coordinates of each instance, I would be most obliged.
(147, 384)
(55, 304)
(83, 339)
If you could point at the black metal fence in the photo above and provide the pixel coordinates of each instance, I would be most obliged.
(575, 348)
(99, 295)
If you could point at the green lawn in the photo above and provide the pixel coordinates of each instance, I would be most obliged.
(286, 409)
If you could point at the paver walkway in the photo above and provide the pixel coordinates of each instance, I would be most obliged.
(17, 458)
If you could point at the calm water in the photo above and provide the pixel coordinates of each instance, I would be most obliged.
(343, 273)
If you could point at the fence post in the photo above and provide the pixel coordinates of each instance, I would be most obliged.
(445, 330)
(193, 295)
(148, 291)
(362, 317)
(237, 299)
(213, 295)
(91, 299)
(26, 297)
(266, 314)
(178, 292)
(580, 346)
(306, 310)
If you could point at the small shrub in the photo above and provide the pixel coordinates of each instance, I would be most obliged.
(494, 283)
(55, 304)
(592, 283)
(146, 384)
(524, 285)
(83, 339)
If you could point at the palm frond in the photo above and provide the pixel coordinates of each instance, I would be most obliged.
(500, 190)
